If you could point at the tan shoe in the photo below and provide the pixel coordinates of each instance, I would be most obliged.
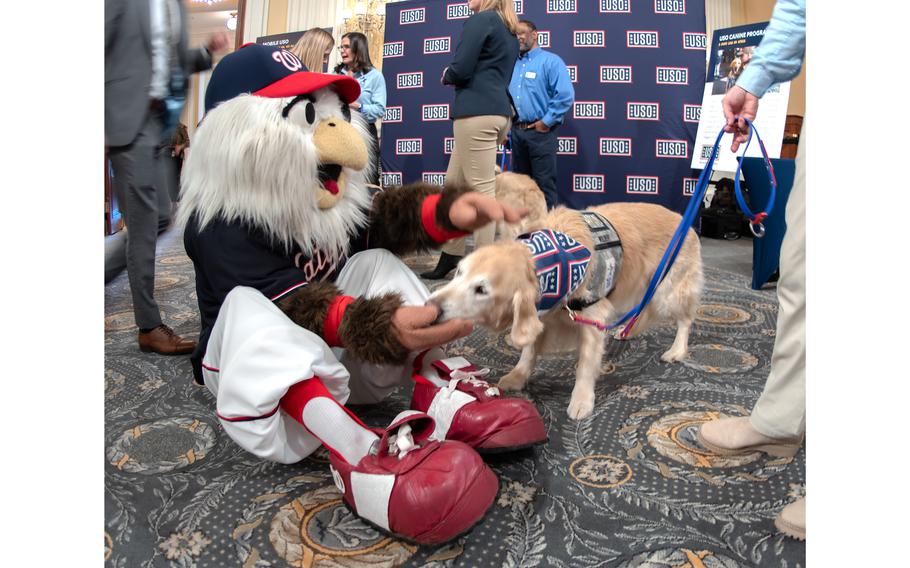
(736, 436)
(164, 341)
(792, 519)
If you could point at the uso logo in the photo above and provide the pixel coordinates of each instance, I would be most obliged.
(706, 151)
(409, 80)
(434, 178)
(573, 73)
(588, 110)
(642, 185)
(561, 7)
(543, 38)
(672, 75)
(566, 145)
(391, 178)
(412, 16)
(433, 45)
(409, 146)
(691, 113)
(695, 40)
(641, 38)
(393, 49)
(435, 112)
(669, 6)
(642, 111)
(615, 6)
(615, 73)
(458, 11)
(689, 186)
(392, 114)
(671, 148)
(519, 6)
(500, 148)
(448, 144)
(588, 38)
(615, 146)
(588, 183)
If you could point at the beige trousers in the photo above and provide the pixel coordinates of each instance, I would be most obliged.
(781, 409)
(474, 161)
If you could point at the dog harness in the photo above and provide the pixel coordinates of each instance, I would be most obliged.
(561, 262)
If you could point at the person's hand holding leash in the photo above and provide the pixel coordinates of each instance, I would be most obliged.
(413, 327)
(739, 103)
(473, 211)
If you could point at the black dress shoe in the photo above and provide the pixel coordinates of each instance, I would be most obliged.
(447, 263)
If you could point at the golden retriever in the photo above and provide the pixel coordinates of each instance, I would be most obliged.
(496, 287)
(519, 190)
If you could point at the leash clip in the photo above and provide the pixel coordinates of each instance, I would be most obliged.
(758, 229)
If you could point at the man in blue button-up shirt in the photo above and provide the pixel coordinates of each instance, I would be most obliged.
(542, 93)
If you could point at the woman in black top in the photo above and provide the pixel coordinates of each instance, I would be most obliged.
(480, 71)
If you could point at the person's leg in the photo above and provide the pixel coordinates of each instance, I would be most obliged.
(781, 409)
(521, 159)
(135, 174)
(542, 149)
(480, 135)
(778, 419)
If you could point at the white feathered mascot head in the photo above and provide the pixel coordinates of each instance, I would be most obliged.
(280, 151)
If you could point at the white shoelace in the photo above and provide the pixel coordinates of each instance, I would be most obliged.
(472, 378)
(402, 442)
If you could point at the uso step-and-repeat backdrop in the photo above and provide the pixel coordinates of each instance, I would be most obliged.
(638, 69)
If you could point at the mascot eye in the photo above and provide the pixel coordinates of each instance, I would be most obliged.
(346, 111)
(310, 113)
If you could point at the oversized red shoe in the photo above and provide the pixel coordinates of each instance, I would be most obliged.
(472, 411)
(419, 490)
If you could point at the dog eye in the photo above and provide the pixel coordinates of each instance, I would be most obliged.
(480, 290)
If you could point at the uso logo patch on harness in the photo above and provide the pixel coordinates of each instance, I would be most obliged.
(560, 263)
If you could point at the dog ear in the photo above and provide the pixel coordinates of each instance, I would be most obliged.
(526, 326)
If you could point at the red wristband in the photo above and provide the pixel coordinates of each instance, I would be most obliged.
(428, 218)
(333, 320)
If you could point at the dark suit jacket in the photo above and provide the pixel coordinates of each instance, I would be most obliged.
(482, 67)
(128, 66)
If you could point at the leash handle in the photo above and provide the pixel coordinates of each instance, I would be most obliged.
(755, 222)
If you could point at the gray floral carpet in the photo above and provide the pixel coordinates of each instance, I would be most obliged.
(629, 486)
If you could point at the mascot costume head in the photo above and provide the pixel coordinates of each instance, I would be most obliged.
(295, 168)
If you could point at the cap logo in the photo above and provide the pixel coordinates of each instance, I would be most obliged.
(287, 59)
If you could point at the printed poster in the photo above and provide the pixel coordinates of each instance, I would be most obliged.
(731, 51)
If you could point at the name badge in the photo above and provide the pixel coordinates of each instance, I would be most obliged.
(530, 75)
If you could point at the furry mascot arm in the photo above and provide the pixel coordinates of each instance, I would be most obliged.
(418, 217)
(376, 330)
(361, 325)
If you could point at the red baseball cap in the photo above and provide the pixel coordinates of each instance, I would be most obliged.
(271, 72)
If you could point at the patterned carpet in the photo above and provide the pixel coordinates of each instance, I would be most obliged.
(629, 486)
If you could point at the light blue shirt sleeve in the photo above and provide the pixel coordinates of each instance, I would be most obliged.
(561, 95)
(372, 95)
(779, 56)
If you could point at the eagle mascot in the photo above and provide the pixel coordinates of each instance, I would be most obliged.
(305, 305)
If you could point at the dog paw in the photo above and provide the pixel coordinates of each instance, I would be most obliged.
(674, 356)
(581, 406)
(512, 382)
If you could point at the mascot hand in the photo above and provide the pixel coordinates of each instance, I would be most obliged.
(413, 326)
(472, 211)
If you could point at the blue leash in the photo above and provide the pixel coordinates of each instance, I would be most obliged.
(506, 146)
(688, 219)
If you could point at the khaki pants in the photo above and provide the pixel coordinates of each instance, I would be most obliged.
(473, 161)
(781, 409)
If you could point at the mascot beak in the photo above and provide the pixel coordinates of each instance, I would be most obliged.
(338, 146)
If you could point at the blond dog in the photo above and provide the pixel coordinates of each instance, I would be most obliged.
(519, 190)
(497, 286)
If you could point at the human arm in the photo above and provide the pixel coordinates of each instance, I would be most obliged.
(560, 90)
(372, 99)
(777, 58)
(467, 52)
